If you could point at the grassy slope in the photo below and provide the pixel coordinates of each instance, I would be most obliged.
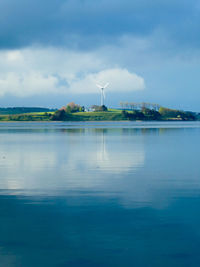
(23, 110)
(40, 116)
(112, 114)
(98, 116)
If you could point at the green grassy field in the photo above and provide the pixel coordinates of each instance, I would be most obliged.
(111, 115)
(40, 116)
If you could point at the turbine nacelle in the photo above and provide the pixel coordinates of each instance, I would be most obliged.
(102, 87)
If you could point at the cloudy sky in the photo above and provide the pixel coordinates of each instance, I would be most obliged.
(54, 52)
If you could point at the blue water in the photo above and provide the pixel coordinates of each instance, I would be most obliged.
(99, 194)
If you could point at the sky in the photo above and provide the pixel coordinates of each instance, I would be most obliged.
(54, 52)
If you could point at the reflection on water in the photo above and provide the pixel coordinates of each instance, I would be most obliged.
(99, 194)
(67, 159)
(137, 165)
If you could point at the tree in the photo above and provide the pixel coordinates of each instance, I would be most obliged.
(133, 105)
(122, 104)
(72, 107)
(136, 115)
(124, 113)
(59, 115)
(99, 108)
(173, 113)
(151, 114)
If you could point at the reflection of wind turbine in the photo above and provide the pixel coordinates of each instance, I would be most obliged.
(102, 92)
(114, 160)
(102, 155)
(103, 152)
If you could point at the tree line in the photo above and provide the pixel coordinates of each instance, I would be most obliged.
(139, 106)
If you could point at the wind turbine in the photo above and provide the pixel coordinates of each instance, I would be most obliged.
(102, 92)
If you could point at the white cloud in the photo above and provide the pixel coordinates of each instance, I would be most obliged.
(26, 84)
(37, 71)
(120, 80)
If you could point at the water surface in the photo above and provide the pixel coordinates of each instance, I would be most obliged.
(99, 194)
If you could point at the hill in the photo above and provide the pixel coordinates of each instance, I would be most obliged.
(23, 110)
(144, 114)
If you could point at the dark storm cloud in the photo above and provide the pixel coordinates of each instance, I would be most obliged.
(88, 23)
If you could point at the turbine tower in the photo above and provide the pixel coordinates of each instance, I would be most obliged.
(102, 92)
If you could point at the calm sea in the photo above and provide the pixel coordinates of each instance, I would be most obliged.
(100, 194)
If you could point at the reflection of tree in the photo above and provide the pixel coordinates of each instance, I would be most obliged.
(73, 131)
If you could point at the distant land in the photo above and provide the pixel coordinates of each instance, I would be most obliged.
(22, 110)
(74, 112)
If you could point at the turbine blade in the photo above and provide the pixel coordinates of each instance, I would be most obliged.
(98, 85)
(106, 85)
